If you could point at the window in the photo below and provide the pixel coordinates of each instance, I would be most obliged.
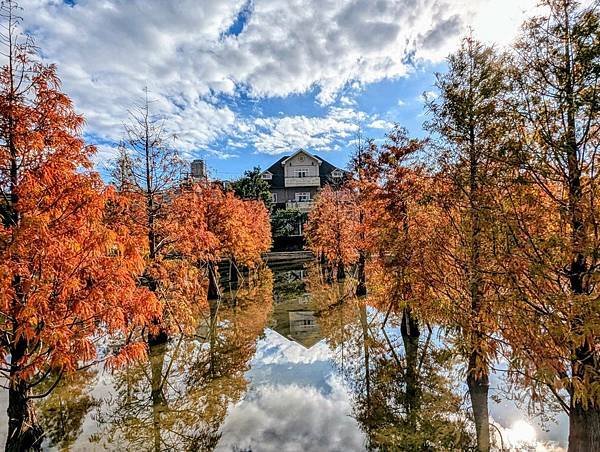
(303, 197)
(301, 172)
(274, 198)
(336, 173)
(267, 176)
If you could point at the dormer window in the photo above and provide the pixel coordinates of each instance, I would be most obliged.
(267, 175)
(336, 173)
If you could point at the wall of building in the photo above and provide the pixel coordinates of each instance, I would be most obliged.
(289, 194)
(301, 160)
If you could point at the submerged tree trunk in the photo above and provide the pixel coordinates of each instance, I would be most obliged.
(24, 431)
(160, 336)
(478, 383)
(213, 282)
(157, 358)
(584, 428)
(361, 288)
(214, 310)
(341, 271)
(410, 338)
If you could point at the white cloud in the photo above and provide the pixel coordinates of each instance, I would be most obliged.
(276, 349)
(293, 418)
(278, 135)
(381, 124)
(108, 50)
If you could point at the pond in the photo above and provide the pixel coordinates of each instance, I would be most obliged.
(286, 362)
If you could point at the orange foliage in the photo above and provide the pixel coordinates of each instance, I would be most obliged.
(333, 226)
(65, 276)
(213, 224)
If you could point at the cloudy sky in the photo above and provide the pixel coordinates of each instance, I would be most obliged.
(242, 82)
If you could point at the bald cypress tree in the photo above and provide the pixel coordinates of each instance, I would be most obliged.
(556, 87)
(467, 131)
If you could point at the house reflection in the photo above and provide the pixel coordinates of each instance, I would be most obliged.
(293, 314)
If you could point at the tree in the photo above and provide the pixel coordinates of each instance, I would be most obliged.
(332, 228)
(287, 222)
(66, 278)
(146, 173)
(399, 222)
(551, 213)
(253, 186)
(214, 225)
(358, 183)
(468, 126)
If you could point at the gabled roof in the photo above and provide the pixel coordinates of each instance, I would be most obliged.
(278, 171)
(301, 151)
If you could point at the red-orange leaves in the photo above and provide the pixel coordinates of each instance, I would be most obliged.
(65, 275)
(333, 226)
(213, 224)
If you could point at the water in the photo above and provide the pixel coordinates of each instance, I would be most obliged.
(287, 363)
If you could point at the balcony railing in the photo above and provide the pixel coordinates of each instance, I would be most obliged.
(309, 181)
(302, 206)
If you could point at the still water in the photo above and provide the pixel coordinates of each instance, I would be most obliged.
(286, 363)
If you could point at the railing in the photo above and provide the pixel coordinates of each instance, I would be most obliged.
(309, 181)
(303, 206)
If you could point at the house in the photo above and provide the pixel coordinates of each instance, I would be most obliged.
(295, 179)
(293, 315)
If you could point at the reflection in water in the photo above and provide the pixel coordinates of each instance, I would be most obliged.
(284, 362)
(403, 394)
(179, 398)
(63, 412)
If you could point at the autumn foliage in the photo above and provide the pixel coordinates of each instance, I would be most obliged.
(66, 276)
(333, 226)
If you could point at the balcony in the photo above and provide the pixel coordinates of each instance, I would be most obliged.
(302, 206)
(309, 181)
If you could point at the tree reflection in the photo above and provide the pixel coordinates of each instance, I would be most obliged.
(62, 413)
(178, 399)
(404, 397)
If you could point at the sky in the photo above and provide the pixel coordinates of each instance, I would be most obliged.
(241, 83)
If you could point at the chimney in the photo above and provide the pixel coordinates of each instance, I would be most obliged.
(199, 169)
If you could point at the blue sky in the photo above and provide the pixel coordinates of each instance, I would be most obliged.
(242, 82)
(382, 103)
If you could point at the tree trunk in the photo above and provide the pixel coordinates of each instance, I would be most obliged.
(159, 403)
(159, 338)
(479, 386)
(214, 310)
(361, 288)
(341, 272)
(24, 432)
(213, 283)
(323, 266)
(410, 338)
(329, 274)
(233, 272)
(584, 429)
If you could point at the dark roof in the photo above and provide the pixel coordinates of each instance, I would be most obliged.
(277, 170)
